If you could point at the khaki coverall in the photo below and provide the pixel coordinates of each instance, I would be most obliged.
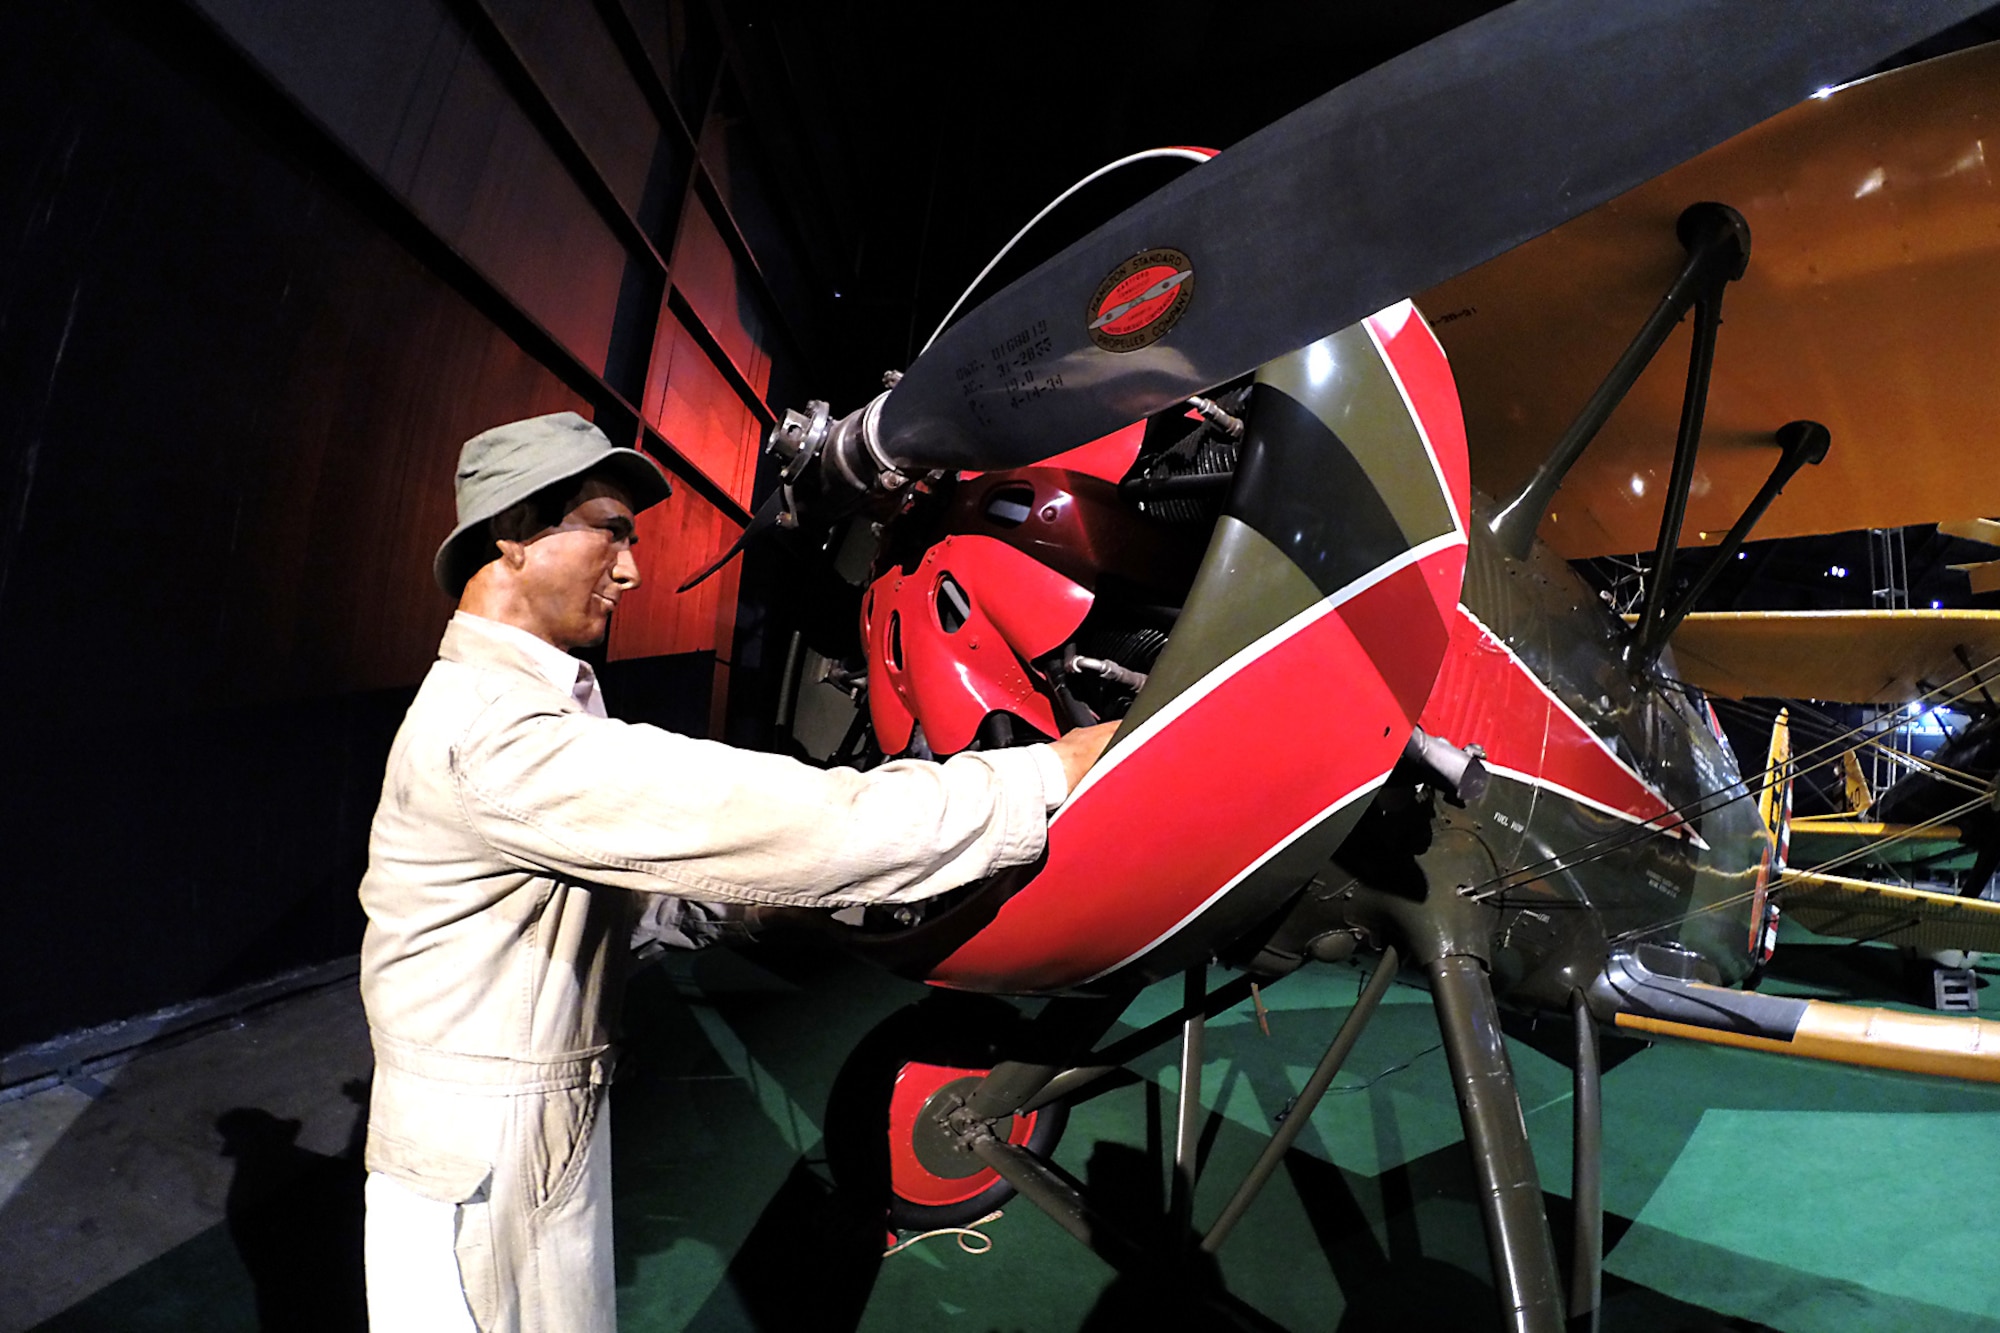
(515, 833)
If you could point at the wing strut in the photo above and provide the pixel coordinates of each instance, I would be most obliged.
(1300, 1112)
(1586, 1279)
(1717, 240)
(1718, 245)
(1803, 442)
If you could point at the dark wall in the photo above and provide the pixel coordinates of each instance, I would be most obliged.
(258, 280)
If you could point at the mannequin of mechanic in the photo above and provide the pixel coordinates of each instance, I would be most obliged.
(520, 832)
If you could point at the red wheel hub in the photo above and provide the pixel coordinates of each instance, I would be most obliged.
(917, 1086)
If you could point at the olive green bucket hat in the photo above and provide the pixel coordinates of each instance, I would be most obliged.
(504, 466)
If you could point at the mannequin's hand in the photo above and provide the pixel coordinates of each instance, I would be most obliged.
(1079, 749)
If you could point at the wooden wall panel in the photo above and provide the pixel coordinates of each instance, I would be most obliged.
(695, 407)
(746, 183)
(239, 351)
(726, 300)
(400, 83)
(681, 40)
(566, 47)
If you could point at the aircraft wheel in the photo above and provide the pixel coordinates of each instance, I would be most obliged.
(882, 1141)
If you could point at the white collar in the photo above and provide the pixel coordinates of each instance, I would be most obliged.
(571, 675)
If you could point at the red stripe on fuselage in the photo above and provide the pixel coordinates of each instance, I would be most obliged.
(1419, 364)
(1487, 696)
(1197, 798)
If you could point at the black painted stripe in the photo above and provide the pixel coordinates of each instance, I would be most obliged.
(1301, 487)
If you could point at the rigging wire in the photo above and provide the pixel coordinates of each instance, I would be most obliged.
(1189, 154)
(1805, 713)
(1708, 803)
(1778, 887)
(1966, 780)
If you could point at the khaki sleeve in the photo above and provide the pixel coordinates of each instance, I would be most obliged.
(633, 806)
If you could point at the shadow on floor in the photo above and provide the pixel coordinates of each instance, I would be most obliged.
(1178, 1286)
(295, 1218)
(809, 1264)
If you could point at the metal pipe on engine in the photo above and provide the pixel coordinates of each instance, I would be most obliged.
(1460, 772)
(1111, 671)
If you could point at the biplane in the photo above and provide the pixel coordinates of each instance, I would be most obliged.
(1294, 498)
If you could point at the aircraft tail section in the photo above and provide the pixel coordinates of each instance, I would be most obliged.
(1854, 784)
(1645, 1001)
(1774, 806)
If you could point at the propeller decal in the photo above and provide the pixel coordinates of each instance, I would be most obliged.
(1140, 300)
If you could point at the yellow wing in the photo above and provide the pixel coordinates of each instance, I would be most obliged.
(1817, 839)
(1645, 1001)
(1859, 909)
(1983, 575)
(1856, 657)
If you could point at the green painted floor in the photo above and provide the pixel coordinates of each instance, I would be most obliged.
(1744, 1190)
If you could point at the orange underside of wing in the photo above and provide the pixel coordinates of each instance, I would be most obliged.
(1872, 305)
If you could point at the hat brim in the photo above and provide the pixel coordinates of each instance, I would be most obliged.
(460, 556)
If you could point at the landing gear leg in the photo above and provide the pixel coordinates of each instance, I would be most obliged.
(1517, 1227)
(1586, 1283)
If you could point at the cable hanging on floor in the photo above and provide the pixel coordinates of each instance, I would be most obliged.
(966, 1235)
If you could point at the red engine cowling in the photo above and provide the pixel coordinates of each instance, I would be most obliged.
(1308, 639)
(1007, 573)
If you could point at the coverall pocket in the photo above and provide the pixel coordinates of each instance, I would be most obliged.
(554, 1128)
(478, 1269)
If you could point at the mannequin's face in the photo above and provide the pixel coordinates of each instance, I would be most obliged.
(568, 578)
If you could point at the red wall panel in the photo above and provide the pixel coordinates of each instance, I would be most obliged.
(705, 270)
(698, 411)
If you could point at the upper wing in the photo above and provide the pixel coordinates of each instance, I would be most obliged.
(1857, 657)
(1872, 305)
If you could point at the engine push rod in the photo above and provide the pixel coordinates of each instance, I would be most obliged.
(1301, 1110)
(1717, 240)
